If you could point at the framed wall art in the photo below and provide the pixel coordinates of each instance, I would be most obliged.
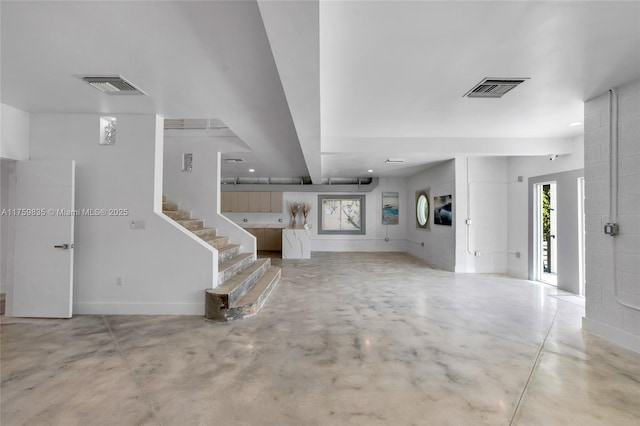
(390, 206)
(442, 210)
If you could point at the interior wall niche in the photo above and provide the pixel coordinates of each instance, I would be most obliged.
(108, 126)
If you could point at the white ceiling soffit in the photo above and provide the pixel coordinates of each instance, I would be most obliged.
(194, 123)
(293, 28)
(193, 59)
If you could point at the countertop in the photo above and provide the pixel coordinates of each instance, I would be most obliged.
(263, 225)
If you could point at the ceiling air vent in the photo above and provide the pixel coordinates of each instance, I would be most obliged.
(194, 124)
(494, 87)
(394, 161)
(235, 160)
(113, 85)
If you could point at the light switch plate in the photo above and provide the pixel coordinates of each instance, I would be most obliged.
(137, 224)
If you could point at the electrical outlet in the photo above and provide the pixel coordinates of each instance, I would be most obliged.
(119, 281)
(517, 255)
(477, 253)
(520, 178)
(422, 244)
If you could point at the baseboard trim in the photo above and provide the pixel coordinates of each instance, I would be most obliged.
(612, 334)
(119, 308)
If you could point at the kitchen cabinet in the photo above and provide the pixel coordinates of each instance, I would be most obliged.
(226, 202)
(259, 234)
(241, 202)
(267, 238)
(275, 202)
(251, 202)
(273, 239)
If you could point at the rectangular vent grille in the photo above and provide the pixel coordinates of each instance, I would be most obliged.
(494, 87)
(194, 124)
(113, 85)
(234, 160)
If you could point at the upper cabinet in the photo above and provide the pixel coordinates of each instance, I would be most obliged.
(251, 202)
(276, 202)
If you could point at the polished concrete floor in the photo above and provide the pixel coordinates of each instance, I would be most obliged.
(346, 339)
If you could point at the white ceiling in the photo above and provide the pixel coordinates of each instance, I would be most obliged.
(331, 88)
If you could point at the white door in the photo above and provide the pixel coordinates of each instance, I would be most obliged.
(43, 260)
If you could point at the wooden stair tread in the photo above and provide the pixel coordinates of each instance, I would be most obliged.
(205, 232)
(168, 206)
(238, 279)
(223, 266)
(259, 287)
(228, 247)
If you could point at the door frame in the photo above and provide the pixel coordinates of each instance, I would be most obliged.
(538, 250)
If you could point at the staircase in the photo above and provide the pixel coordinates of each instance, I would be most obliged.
(244, 282)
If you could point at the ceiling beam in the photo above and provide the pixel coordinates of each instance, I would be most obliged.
(451, 146)
(293, 29)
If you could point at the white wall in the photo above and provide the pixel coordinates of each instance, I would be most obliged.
(197, 191)
(14, 133)
(518, 196)
(374, 240)
(481, 195)
(613, 263)
(165, 269)
(440, 241)
(14, 145)
(7, 223)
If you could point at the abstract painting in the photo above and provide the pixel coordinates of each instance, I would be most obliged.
(390, 206)
(442, 210)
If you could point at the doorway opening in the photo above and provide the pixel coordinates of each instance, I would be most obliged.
(545, 229)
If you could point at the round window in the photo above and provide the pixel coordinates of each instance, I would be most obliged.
(422, 209)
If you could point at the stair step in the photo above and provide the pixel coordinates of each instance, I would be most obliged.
(169, 206)
(248, 305)
(254, 299)
(178, 214)
(205, 233)
(217, 242)
(231, 267)
(227, 252)
(238, 285)
(191, 224)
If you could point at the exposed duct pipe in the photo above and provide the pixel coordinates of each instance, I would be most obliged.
(365, 184)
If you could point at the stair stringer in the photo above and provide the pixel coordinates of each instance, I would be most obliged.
(236, 233)
(203, 244)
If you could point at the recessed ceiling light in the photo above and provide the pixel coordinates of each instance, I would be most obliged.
(575, 123)
(252, 170)
(370, 171)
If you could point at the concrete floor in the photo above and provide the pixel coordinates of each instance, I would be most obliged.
(346, 338)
